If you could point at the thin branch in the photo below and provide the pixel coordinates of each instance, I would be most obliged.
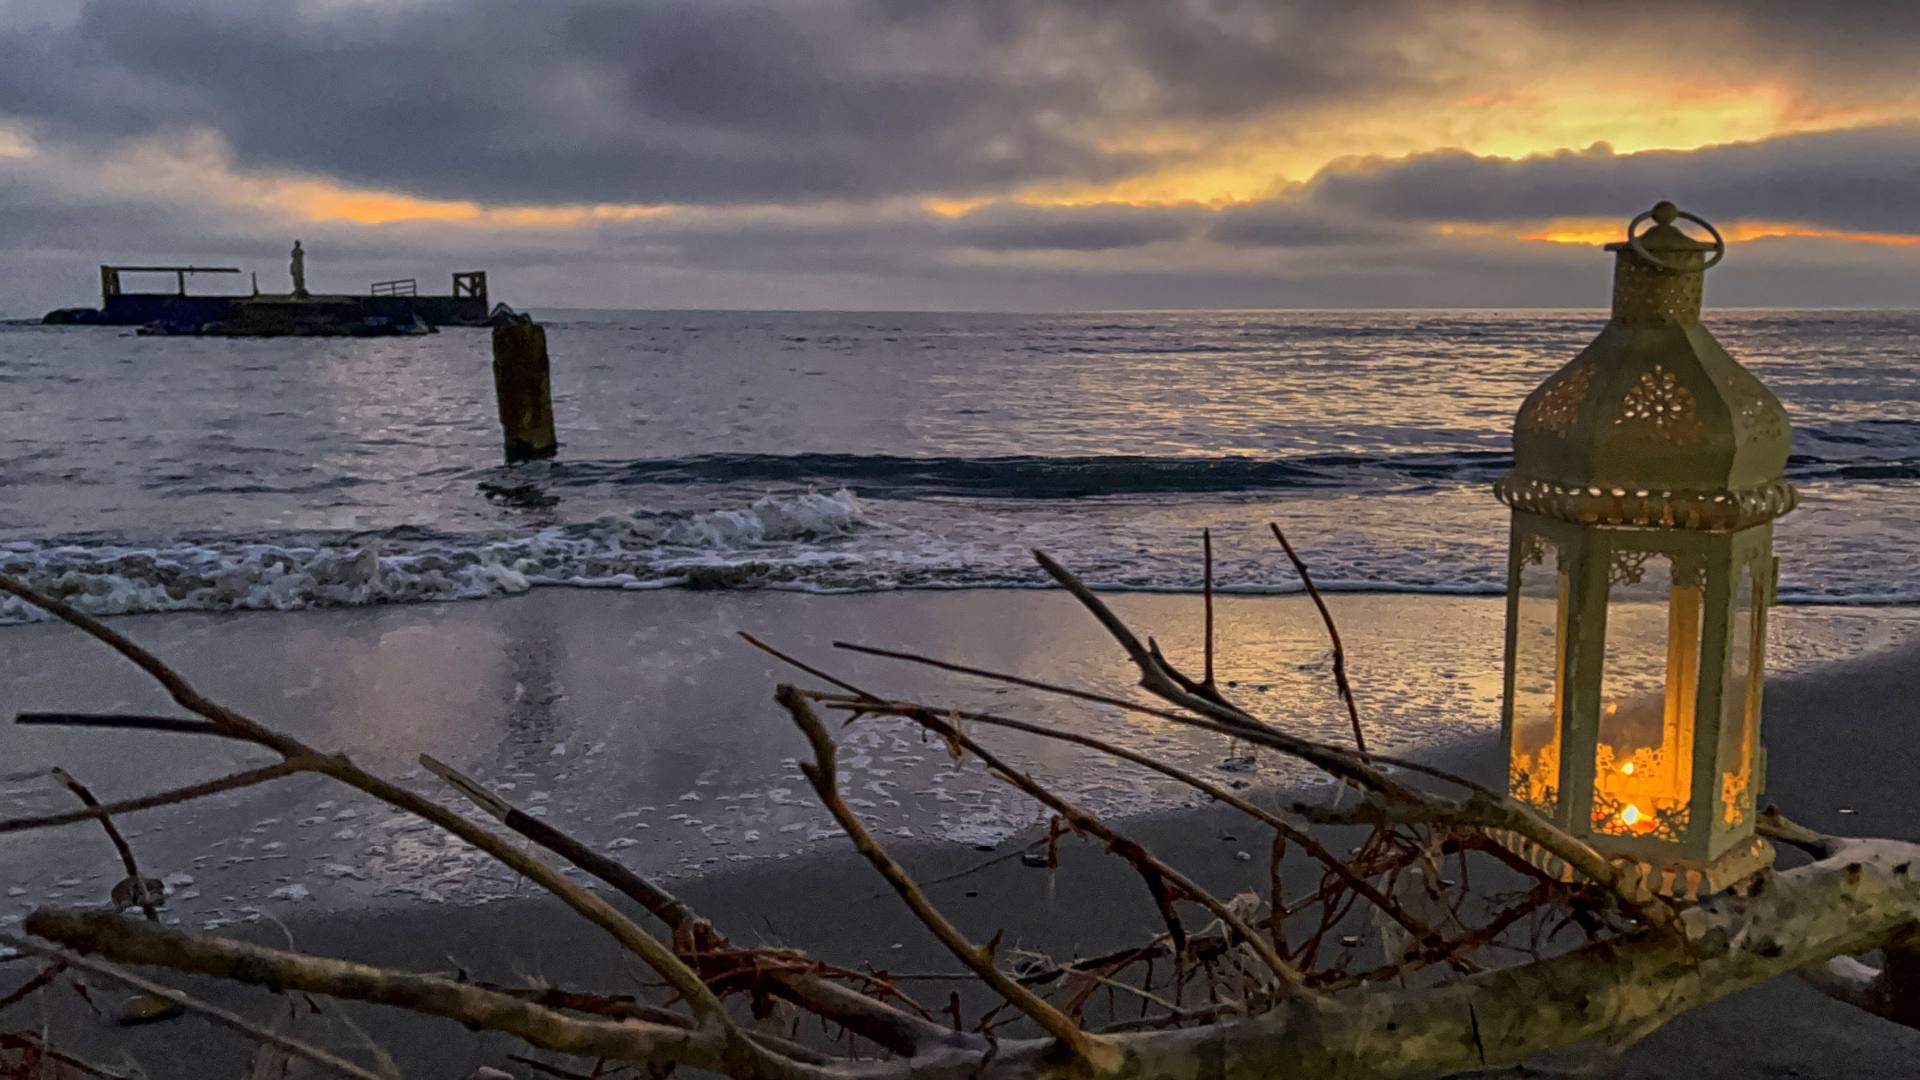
(1286, 744)
(662, 904)
(809, 669)
(182, 725)
(1206, 548)
(233, 782)
(1151, 867)
(1481, 809)
(185, 1001)
(139, 881)
(892, 1028)
(1281, 827)
(34, 1044)
(1157, 680)
(40, 980)
(822, 773)
(1333, 634)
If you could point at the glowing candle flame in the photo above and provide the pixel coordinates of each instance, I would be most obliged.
(1631, 814)
(1628, 769)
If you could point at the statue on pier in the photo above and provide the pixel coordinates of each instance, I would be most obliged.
(298, 268)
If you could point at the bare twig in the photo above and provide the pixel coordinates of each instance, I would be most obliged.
(809, 669)
(1206, 547)
(1158, 873)
(233, 782)
(822, 774)
(1281, 827)
(34, 1045)
(662, 904)
(137, 880)
(40, 980)
(179, 725)
(1481, 808)
(1333, 634)
(899, 1031)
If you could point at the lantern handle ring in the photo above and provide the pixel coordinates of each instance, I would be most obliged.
(1633, 239)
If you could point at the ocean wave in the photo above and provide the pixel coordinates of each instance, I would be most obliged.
(820, 542)
(768, 539)
(889, 476)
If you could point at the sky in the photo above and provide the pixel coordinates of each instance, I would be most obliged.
(961, 154)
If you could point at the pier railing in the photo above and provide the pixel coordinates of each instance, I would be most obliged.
(396, 287)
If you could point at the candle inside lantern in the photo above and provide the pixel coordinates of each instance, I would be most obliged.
(1642, 775)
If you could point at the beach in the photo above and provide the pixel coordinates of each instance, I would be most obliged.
(677, 707)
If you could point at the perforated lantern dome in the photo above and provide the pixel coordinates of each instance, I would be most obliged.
(1653, 423)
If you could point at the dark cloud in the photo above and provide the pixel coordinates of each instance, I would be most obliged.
(1862, 179)
(1103, 227)
(686, 101)
(1296, 222)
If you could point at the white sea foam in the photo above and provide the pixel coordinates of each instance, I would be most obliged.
(632, 551)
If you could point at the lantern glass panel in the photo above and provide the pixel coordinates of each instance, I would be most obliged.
(1740, 704)
(1643, 761)
(1539, 671)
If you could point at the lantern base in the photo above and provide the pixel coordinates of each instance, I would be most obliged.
(1677, 879)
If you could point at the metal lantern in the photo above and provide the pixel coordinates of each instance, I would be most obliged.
(1647, 474)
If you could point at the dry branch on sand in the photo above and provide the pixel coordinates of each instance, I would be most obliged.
(1250, 993)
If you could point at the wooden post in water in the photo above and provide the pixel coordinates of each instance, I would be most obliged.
(520, 382)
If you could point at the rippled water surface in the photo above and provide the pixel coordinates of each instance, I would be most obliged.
(839, 452)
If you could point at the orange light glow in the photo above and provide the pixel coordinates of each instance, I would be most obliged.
(201, 167)
(323, 201)
(1630, 815)
(1588, 233)
(1260, 157)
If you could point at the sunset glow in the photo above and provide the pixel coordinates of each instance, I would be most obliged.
(1587, 233)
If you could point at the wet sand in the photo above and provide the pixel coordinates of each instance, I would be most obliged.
(1838, 737)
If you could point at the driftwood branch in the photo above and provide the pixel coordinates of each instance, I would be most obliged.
(222, 1017)
(1862, 898)
(133, 942)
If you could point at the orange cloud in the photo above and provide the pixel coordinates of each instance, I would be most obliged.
(321, 200)
(1630, 112)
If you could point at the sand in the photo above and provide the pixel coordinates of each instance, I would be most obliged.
(653, 676)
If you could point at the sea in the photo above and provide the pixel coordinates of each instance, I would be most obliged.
(863, 452)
